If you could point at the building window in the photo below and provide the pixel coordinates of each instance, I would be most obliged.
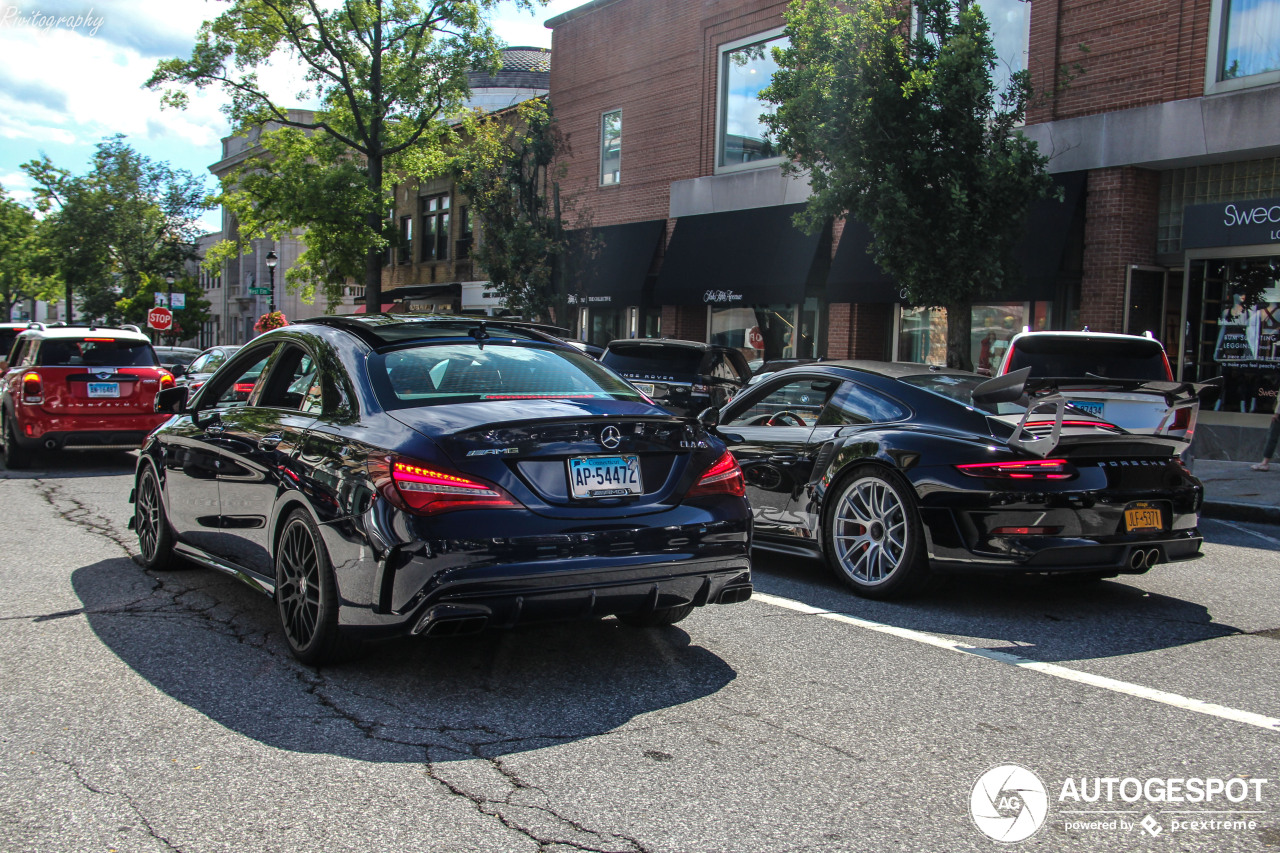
(435, 228)
(611, 148)
(1179, 188)
(1244, 45)
(465, 235)
(405, 249)
(1010, 22)
(746, 68)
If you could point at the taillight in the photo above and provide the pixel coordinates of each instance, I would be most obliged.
(166, 381)
(32, 388)
(1067, 423)
(722, 478)
(428, 491)
(1025, 531)
(244, 387)
(1181, 419)
(1040, 469)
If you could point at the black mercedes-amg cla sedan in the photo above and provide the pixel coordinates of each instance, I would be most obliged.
(399, 474)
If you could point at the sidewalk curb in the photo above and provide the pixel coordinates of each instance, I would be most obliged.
(1234, 511)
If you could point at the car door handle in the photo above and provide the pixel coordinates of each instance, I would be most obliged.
(269, 442)
(783, 458)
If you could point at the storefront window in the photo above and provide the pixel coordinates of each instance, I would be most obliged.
(765, 332)
(1233, 336)
(606, 324)
(922, 332)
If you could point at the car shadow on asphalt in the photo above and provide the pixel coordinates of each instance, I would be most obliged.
(73, 464)
(213, 644)
(1036, 617)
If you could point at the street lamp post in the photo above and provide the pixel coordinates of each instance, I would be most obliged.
(168, 300)
(272, 260)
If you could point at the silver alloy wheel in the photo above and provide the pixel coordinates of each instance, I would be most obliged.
(870, 531)
(299, 592)
(147, 515)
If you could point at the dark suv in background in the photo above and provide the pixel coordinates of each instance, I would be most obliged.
(682, 376)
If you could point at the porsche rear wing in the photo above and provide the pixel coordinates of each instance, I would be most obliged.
(1041, 395)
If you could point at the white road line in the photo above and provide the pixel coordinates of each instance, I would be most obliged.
(1234, 526)
(1173, 699)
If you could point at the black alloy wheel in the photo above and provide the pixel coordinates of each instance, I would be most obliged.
(155, 536)
(306, 595)
(15, 458)
(873, 536)
(656, 618)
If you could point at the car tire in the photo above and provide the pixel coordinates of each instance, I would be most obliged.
(307, 595)
(872, 538)
(15, 458)
(659, 618)
(155, 534)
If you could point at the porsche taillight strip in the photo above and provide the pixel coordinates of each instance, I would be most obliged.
(1039, 469)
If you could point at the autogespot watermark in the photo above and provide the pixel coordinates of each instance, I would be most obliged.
(12, 16)
(1010, 803)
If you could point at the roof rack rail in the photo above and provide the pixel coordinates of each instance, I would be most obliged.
(130, 327)
(39, 327)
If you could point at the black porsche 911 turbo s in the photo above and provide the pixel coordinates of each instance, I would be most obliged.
(395, 474)
(891, 470)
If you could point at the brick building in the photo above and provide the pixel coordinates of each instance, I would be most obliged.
(1165, 144)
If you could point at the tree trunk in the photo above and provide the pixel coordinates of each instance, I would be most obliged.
(373, 258)
(959, 331)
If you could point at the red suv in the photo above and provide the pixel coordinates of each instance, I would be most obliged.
(79, 388)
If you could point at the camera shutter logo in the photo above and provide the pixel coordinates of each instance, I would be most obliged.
(1009, 803)
(610, 437)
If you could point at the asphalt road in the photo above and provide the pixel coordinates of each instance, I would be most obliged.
(159, 712)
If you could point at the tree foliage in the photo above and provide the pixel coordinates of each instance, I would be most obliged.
(106, 233)
(508, 171)
(19, 256)
(385, 74)
(901, 128)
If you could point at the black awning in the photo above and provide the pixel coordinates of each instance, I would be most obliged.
(854, 275)
(608, 265)
(744, 257)
(1040, 254)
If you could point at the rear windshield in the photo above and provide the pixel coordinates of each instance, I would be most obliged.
(1082, 357)
(172, 357)
(464, 373)
(960, 389)
(7, 337)
(657, 360)
(91, 351)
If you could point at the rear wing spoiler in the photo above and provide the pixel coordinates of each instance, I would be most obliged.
(1043, 394)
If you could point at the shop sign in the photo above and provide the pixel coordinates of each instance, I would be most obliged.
(575, 299)
(721, 297)
(1231, 223)
(1249, 335)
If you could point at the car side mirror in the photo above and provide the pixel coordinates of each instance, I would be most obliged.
(172, 401)
(709, 417)
(178, 370)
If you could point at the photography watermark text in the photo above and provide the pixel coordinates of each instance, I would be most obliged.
(12, 16)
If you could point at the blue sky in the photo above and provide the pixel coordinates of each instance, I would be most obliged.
(72, 73)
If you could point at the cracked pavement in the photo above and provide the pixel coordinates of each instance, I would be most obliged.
(161, 711)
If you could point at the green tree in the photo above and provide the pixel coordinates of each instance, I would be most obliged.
(508, 170)
(187, 321)
(19, 256)
(106, 231)
(385, 74)
(901, 128)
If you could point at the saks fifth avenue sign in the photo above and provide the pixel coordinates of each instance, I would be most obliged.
(721, 297)
(1231, 223)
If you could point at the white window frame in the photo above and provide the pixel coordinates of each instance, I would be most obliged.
(724, 49)
(1213, 56)
(618, 180)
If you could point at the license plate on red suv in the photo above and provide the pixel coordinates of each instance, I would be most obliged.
(104, 389)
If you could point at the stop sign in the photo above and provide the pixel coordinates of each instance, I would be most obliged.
(754, 338)
(160, 319)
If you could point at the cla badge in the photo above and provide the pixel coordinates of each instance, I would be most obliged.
(610, 437)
